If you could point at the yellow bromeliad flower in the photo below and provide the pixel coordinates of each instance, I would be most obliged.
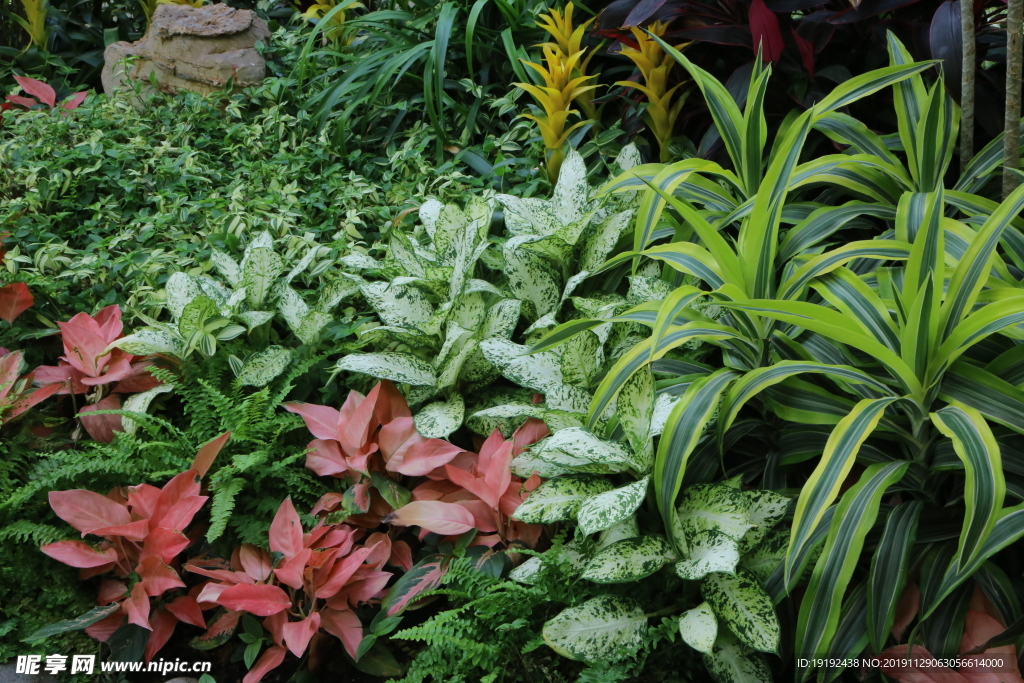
(568, 41)
(335, 29)
(655, 65)
(555, 97)
(34, 22)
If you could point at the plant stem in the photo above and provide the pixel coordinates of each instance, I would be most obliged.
(967, 83)
(1011, 137)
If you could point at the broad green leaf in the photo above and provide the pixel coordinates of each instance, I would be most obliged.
(606, 509)
(260, 269)
(541, 372)
(634, 407)
(311, 326)
(196, 314)
(604, 628)
(708, 550)
(253, 319)
(527, 463)
(261, 367)
(767, 557)
(531, 277)
(180, 290)
(558, 500)
(629, 560)
(85, 620)
(730, 661)
(577, 448)
(398, 367)
(741, 604)
(401, 305)
(293, 309)
(823, 485)
(699, 628)
(855, 515)
(227, 267)
(149, 341)
(690, 417)
(889, 566)
(580, 359)
(439, 419)
(985, 486)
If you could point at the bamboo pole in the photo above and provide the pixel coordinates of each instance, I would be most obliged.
(1011, 138)
(967, 83)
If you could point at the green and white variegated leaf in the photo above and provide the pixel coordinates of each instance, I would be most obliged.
(311, 326)
(568, 398)
(227, 267)
(531, 277)
(698, 628)
(254, 319)
(629, 560)
(767, 556)
(439, 419)
(501, 319)
(711, 506)
(263, 240)
(359, 261)
(148, 341)
(730, 661)
(579, 449)
(260, 268)
(401, 305)
(558, 500)
(634, 406)
(626, 528)
(571, 196)
(293, 309)
(302, 264)
(581, 358)
(539, 371)
(216, 291)
(195, 315)
(709, 551)
(743, 606)
(663, 405)
(527, 572)
(527, 464)
(643, 289)
(603, 240)
(402, 368)
(139, 403)
(766, 509)
(628, 157)
(532, 216)
(180, 290)
(258, 369)
(604, 628)
(602, 511)
(336, 292)
(430, 212)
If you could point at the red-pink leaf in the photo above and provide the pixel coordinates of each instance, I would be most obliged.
(286, 531)
(157, 577)
(390, 404)
(401, 555)
(261, 600)
(15, 299)
(423, 457)
(209, 450)
(186, 608)
(74, 101)
(27, 400)
(446, 519)
(289, 572)
(142, 499)
(297, 634)
(327, 503)
(79, 554)
(102, 427)
(341, 573)
(345, 626)
(530, 432)
(906, 609)
(322, 421)
(104, 628)
(255, 562)
(111, 591)
(137, 607)
(181, 513)
(483, 514)
(184, 485)
(806, 49)
(135, 531)
(163, 543)
(221, 575)
(764, 29)
(84, 344)
(425, 576)
(87, 510)
(26, 102)
(268, 661)
(397, 437)
(163, 623)
(324, 457)
(37, 89)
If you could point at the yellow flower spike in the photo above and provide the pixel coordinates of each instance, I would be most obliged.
(335, 29)
(655, 65)
(568, 41)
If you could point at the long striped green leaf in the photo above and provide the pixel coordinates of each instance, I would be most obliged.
(755, 130)
(846, 129)
(861, 86)
(851, 295)
(992, 318)
(686, 423)
(855, 515)
(989, 394)
(851, 633)
(646, 313)
(685, 257)
(670, 309)
(776, 585)
(969, 275)
(825, 221)
(909, 96)
(823, 485)
(985, 486)
(888, 575)
(980, 207)
(1008, 529)
(653, 203)
(824, 263)
(757, 380)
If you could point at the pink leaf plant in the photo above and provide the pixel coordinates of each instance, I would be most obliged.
(43, 94)
(142, 532)
(308, 581)
(91, 366)
(16, 393)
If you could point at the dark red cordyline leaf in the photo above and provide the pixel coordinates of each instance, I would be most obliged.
(764, 30)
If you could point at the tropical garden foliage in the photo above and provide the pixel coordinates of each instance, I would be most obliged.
(514, 341)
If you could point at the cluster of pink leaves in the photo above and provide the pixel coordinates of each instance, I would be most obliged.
(90, 365)
(16, 393)
(41, 94)
(982, 623)
(143, 533)
(321, 575)
(15, 299)
(460, 490)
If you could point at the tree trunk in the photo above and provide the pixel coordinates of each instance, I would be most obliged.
(967, 84)
(1011, 139)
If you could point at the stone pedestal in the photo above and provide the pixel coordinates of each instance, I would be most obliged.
(188, 48)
